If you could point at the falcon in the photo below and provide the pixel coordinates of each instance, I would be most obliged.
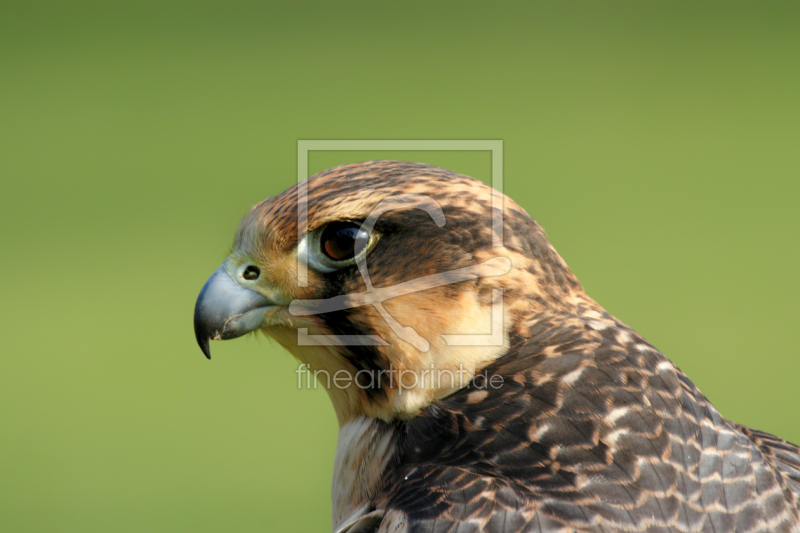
(477, 387)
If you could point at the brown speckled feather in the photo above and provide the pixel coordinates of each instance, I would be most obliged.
(592, 428)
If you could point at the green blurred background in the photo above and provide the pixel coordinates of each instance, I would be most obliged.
(657, 143)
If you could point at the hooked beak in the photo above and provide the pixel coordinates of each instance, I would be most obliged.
(226, 310)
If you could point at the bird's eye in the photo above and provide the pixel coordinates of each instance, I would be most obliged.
(341, 241)
(336, 245)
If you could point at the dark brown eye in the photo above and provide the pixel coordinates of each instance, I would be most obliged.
(339, 240)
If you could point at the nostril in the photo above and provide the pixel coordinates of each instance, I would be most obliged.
(251, 272)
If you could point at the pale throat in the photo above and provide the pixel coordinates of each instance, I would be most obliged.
(463, 338)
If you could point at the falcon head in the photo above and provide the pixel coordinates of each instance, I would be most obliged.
(402, 279)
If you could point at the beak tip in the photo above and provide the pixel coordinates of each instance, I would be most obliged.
(203, 343)
(201, 335)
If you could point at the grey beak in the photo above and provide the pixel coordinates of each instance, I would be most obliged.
(226, 310)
